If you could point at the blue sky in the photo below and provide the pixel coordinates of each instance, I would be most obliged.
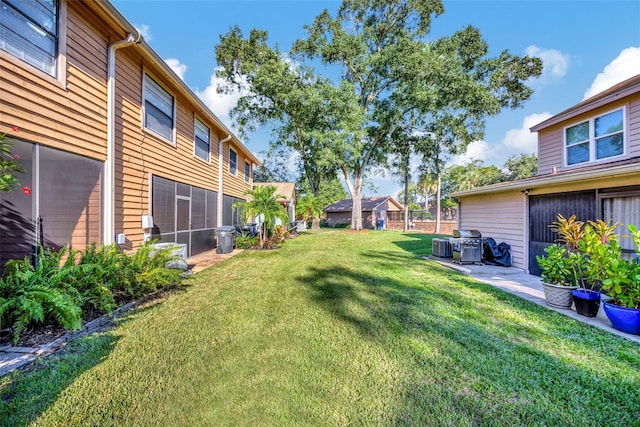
(586, 47)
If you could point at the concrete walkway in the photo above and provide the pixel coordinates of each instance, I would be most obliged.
(529, 287)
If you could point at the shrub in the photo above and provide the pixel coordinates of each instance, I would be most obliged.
(247, 242)
(63, 284)
(278, 234)
(39, 294)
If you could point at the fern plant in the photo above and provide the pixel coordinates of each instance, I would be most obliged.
(23, 304)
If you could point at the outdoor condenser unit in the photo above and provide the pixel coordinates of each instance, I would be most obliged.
(441, 248)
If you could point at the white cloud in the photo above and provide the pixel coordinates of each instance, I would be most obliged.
(522, 139)
(145, 30)
(219, 103)
(626, 65)
(555, 63)
(176, 66)
(477, 150)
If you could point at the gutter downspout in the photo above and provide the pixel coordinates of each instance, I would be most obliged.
(109, 167)
(220, 176)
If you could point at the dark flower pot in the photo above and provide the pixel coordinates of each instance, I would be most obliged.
(587, 302)
(623, 318)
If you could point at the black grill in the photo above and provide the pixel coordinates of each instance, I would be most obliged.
(466, 246)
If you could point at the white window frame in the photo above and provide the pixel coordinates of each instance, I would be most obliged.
(57, 72)
(233, 171)
(592, 139)
(197, 122)
(148, 77)
(247, 172)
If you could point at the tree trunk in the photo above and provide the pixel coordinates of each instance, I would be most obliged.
(315, 224)
(405, 226)
(438, 209)
(355, 190)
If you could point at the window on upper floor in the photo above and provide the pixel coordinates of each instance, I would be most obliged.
(595, 139)
(202, 144)
(247, 172)
(159, 109)
(233, 162)
(29, 31)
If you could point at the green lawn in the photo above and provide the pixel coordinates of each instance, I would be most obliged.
(335, 328)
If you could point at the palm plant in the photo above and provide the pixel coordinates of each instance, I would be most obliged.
(310, 207)
(263, 203)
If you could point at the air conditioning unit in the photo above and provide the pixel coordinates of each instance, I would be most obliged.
(441, 248)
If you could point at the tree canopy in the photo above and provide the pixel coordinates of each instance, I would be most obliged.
(393, 85)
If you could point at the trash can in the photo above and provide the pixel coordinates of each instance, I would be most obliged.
(226, 239)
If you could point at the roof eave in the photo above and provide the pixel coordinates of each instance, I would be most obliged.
(546, 180)
(589, 104)
(113, 13)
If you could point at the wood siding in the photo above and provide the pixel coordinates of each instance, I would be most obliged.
(235, 185)
(141, 153)
(68, 113)
(551, 140)
(501, 216)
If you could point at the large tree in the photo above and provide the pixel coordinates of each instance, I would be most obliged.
(520, 166)
(391, 80)
(381, 49)
(309, 113)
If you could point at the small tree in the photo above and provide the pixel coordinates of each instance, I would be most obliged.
(263, 203)
(310, 206)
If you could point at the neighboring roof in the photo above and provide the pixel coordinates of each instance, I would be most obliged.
(613, 169)
(287, 189)
(622, 89)
(368, 204)
(106, 7)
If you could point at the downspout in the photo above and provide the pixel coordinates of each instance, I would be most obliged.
(220, 176)
(109, 168)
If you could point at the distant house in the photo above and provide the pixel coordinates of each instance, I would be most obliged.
(373, 210)
(588, 165)
(286, 189)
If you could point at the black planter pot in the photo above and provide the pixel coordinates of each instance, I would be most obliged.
(587, 302)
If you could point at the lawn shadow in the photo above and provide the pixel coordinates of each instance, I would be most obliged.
(27, 393)
(482, 378)
(419, 244)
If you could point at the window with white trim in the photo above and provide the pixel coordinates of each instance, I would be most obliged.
(29, 31)
(595, 139)
(202, 142)
(247, 172)
(233, 162)
(159, 111)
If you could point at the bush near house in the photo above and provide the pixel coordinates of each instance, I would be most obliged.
(65, 286)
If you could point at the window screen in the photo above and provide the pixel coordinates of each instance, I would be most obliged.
(202, 141)
(29, 31)
(158, 109)
(233, 162)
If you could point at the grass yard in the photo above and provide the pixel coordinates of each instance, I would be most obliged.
(335, 328)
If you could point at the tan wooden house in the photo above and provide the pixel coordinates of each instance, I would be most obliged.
(588, 165)
(115, 146)
(288, 192)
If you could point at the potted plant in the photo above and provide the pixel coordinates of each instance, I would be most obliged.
(622, 284)
(599, 246)
(555, 276)
(588, 248)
